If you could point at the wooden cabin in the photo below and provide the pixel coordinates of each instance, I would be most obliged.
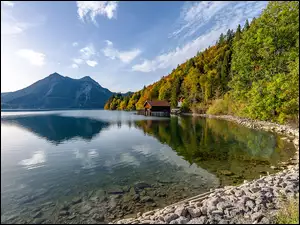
(157, 108)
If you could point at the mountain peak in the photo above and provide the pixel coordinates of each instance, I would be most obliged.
(55, 74)
(87, 78)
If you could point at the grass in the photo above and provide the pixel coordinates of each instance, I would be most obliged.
(289, 213)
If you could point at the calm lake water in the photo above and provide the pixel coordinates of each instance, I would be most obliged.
(92, 166)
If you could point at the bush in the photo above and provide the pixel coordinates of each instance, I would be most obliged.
(289, 213)
(185, 106)
(219, 106)
(199, 108)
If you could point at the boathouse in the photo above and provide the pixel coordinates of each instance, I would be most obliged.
(157, 108)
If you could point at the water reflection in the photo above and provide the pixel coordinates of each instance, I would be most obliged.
(56, 128)
(221, 147)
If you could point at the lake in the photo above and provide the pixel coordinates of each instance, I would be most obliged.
(93, 166)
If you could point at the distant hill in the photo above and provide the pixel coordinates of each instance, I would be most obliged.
(57, 92)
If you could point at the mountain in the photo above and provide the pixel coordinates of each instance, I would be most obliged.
(57, 92)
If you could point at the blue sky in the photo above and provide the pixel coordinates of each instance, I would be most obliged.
(121, 45)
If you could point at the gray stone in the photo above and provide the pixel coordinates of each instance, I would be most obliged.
(257, 216)
(161, 218)
(255, 189)
(172, 216)
(150, 213)
(181, 211)
(200, 220)
(239, 193)
(203, 210)
(71, 217)
(223, 221)
(223, 205)
(39, 220)
(76, 200)
(85, 209)
(194, 212)
(265, 220)
(63, 213)
(250, 204)
(182, 220)
(98, 217)
(217, 212)
(64, 207)
(37, 215)
(146, 199)
(146, 222)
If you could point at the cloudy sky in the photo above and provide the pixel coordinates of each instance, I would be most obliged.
(121, 45)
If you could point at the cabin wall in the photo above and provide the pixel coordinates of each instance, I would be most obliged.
(160, 109)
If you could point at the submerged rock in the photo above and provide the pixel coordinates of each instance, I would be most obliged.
(140, 186)
(146, 199)
(76, 200)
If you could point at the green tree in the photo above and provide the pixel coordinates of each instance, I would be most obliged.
(165, 91)
(175, 91)
(246, 26)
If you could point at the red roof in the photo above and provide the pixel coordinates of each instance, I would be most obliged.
(158, 103)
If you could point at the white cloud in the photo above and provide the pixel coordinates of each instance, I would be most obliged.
(35, 58)
(179, 55)
(75, 44)
(91, 9)
(146, 66)
(86, 55)
(78, 61)
(74, 66)
(124, 56)
(10, 25)
(198, 16)
(87, 51)
(91, 63)
(195, 15)
(8, 28)
(8, 3)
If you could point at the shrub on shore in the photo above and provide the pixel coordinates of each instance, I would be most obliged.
(289, 213)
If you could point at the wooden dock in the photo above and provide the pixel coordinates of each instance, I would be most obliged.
(151, 113)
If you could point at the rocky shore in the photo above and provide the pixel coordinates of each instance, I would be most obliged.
(252, 202)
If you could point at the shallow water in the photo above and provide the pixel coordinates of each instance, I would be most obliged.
(118, 163)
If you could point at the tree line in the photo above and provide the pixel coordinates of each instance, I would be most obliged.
(250, 72)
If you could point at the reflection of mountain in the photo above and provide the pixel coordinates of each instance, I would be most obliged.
(215, 144)
(58, 128)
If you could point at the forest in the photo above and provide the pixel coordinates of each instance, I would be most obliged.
(251, 72)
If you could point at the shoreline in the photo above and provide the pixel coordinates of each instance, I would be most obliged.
(256, 201)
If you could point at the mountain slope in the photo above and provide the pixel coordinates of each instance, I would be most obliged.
(56, 91)
(252, 72)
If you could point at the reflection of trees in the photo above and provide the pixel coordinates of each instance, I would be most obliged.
(214, 144)
(258, 144)
(56, 128)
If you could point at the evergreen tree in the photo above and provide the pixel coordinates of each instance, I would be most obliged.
(238, 33)
(246, 27)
